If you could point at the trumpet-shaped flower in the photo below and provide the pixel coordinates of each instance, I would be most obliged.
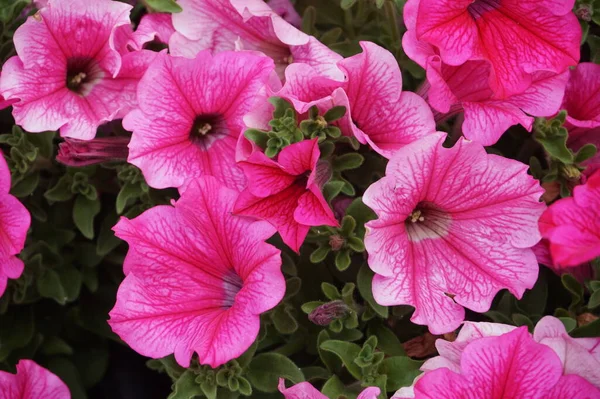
(517, 38)
(511, 365)
(219, 25)
(378, 112)
(190, 116)
(572, 225)
(197, 278)
(455, 226)
(67, 72)
(14, 223)
(287, 192)
(32, 382)
(466, 88)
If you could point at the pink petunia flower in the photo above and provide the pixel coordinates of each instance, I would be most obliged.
(579, 356)
(32, 382)
(197, 278)
(67, 74)
(305, 390)
(582, 103)
(572, 225)
(190, 116)
(581, 272)
(378, 112)
(511, 365)
(287, 192)
(14, 223)
(219, 25)
(455, 226)
(517, 38)
(466, 88)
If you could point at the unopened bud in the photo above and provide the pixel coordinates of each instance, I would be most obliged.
(328, 312)
(73, 152)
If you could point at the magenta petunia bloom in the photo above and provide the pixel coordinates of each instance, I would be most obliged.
(578, 356)
(516, 37)
(582, 103)
(67, 72)
(32, 382)
(190, 116)
(305, 390)
(219, 25)
(197, 278)
(14, 223)
(581, 272)
(572, 225)
(466, 88)
(511, 365)
(378, 112)
(287, 192)
(155, 26)
(455, 226)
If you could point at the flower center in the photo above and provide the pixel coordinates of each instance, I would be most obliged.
(232, 284)
(82, 75)
(427, 221)
(478, 7)
(206, 129)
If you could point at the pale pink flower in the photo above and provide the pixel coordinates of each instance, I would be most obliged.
(287, 192)
(579, 356)
(197, 278)
(305, 390)
(582, 103)
(14, 223)
(32, 382)
(190, 116)
(455, 226)
(219, 25)
(378, 112)
(572, 225)
(516, 37)
(67, 74)
(511, 365)
(466, 88)
(285, 9)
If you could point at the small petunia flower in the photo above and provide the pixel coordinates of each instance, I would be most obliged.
(197, 278)
(305, 390)
(582, 103)
(572, 225)
(581, 272)
(219, 25)
(67, 73)
(32, 382)
(455, 226)
(287, 192)
(517, 38)
(466, 89)
(14, 223)
(511, 365)
(378, 112)
(579, 356)
(190, 116)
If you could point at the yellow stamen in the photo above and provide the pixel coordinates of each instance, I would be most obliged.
(417, 216)
(204, 129)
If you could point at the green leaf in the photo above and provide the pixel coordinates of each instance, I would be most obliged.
(534, 300)
(343, 260)
(61, 191)
(335, 388)
(330, 360)
(587, 331)
(16, 329)
(364, 281)
(332, 189)
(335, 113)
(258, 137)
(346, 4)
(69, 374)
(347, 161)
(26, 186)
(586, 152)
(128, 193)
(555, 144)
(56, 346)
(319, 254)
(265, 370)
(330, 291)
(283, 321)
(84, 212)
(573, 286)
(107, 241)
(522, 320)
(186, 387)
(401, 371)
(49, 285)
(169, 6)
(315, 373)
(594, 301)
(347, 352)
(387, 341)
(569, 323)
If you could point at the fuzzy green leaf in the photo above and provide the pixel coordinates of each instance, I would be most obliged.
(186, 387)
(347, 352)
(364, 281)
(265, 370)
(168, 6)
(84, 212)
(401, 371)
